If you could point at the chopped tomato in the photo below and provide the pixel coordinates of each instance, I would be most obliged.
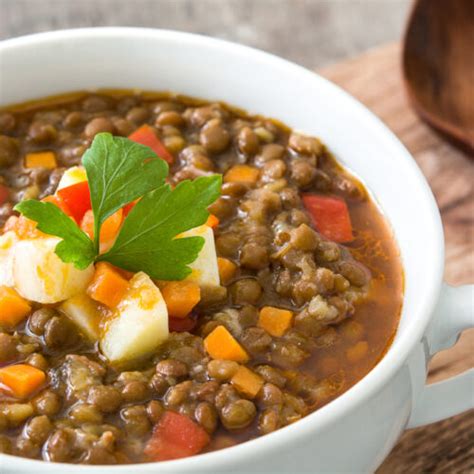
(57, 202)
(186, 324)
(146, 136)
(330, 216)
(4, 194)
(175, 436)
(128, 207)
(77, 198)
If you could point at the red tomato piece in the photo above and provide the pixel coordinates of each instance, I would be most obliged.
(4, 194)
(186, 324)
(57, 202)
(175, 436)
(146, 136)
(128, 207)
(77, 198)
(330, 216)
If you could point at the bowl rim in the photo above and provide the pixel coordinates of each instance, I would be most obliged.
(398, 352)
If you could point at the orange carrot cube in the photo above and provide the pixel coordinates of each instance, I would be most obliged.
(13, 308)
(247, 382)
(275, 321)
(181, 297)
(42, 159)
(22, 379)
(212, 221)
(242, 174)
(108, 286)
(220, 344)
(227, 269)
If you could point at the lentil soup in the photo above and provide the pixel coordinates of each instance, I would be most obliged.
(296, 296)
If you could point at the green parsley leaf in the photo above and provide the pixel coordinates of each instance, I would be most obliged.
(76, 247)
(147, 241)
(119, 171)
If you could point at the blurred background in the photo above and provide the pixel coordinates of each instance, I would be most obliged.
(312, 33)
(356, 44)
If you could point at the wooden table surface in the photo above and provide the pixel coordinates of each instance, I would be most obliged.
(374, 78)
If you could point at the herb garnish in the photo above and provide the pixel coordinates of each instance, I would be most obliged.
(120, 171)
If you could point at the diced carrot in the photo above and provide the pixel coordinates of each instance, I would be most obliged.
(109, 229)
(111, 226)
(181, 297)
(212, 221)
(23, 227)
(330, 216)
(77, 198)
(220, 344)
(147, 136)
(275, 321)
(57, 202)
(42, 159)
(175, 436)
(242, 174)
(125, 273)
(247, 382)
(22, 379)
(227, 269)
(107, 286)
(13, 308)
(4, 194)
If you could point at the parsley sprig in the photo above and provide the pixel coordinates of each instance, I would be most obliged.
(120, 171)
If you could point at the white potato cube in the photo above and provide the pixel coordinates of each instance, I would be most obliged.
(7, 243)
(139, 324)
(205, 271)
(71, 176)
(84, 312)
(40, 275)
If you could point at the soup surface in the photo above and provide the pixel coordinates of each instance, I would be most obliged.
(307, 297)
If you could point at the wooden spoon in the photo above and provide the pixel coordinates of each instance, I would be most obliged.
(438, 65)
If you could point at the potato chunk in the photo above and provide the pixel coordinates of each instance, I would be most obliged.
(139, 324)
(40, 275)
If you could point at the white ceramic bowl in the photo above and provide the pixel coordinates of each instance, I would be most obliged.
(356, 431)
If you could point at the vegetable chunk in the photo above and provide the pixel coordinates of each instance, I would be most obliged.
(40, 275)
(22, 379)
(247, 382)
(181, 297)
(275, 321)
(108, 286)
(13, 308)
(330, 216)
(205, 271)
(139, 324)
(146, 136)
(220, 344)
(175, 436)
(42, 159)
(242, 174)
(83, 311)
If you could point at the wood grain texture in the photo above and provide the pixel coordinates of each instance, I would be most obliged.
(438, 66)
(375, 79)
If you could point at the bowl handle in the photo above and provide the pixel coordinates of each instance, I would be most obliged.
(455, 312)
